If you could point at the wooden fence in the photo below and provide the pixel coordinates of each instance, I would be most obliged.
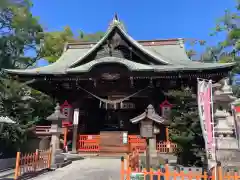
(130, 169)
(90, 143)
(32, 162)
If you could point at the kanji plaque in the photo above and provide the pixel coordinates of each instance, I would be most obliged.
(146, 129)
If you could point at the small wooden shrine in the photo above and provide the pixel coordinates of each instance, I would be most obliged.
(113, 80)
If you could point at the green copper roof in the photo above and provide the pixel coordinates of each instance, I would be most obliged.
(172, 57)
(132, 66)
(59, 67)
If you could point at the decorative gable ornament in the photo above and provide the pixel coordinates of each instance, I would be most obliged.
(110, 76)
(116, 22)
(166, 108)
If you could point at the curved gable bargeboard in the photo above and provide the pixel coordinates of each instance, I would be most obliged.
(131, 66)
(113, 39)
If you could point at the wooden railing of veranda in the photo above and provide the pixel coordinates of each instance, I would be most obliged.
(131, 165)
(27, 163)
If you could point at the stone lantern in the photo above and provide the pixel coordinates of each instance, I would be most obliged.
(56, 130)
(149, 121)
(226, 142)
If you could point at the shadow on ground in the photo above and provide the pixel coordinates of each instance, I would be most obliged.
(29, 175)
(34, 174)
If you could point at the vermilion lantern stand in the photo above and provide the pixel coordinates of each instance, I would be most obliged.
(166, 108)
(66, 109)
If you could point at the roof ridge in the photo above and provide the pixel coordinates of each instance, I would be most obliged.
(80, 42)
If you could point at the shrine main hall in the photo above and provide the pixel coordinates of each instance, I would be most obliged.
(112, 81)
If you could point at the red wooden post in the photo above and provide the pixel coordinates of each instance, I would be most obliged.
(122, 173)
(65, 137)
(66, 110)
(49, 158)
(36, 160)
(166, 107)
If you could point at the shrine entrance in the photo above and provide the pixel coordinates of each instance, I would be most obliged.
(113, 142)
(108, 130)
(94, 118)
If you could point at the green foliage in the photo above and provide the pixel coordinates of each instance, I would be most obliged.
(228, 49)
(20, 33)
(191, 53)
(43, 106)
(225, 51)
(15, 107)
(54, 43)
(185, 129)
(94, 37)
(26, 107)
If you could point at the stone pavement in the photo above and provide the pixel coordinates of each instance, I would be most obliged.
(86, 169)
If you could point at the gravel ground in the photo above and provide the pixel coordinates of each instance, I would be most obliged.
(87, 169)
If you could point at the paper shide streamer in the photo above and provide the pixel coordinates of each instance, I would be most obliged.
(113, 102)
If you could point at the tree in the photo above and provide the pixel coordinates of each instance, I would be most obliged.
(20, 33)
(42, 105)
(54, 42)
(229, 48)
(185, 129)
(225, 51)
(94, 37)
(16, 105)
(26, 107)
(193, 42)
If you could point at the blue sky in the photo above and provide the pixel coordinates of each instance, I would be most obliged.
(152, 19)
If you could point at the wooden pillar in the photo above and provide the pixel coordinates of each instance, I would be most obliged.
(65, 136)
(167, 134)
(167, 140)
(75, 130)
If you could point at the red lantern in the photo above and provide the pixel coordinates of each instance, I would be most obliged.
(165, 107)
(66, 110)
